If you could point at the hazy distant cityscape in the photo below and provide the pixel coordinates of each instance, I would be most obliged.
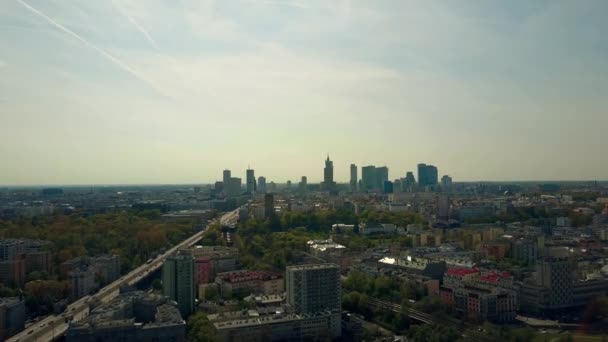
(421, 256)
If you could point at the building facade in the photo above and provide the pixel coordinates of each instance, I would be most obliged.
(178, 281)
(353, 178)
(12, 317)
(314, 288)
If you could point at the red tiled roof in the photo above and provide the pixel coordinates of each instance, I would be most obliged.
(461, 272)
(494, 276)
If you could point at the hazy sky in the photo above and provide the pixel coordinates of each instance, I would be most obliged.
(174, 91)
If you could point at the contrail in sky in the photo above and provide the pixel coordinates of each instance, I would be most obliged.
(107, 55)
(136, 24)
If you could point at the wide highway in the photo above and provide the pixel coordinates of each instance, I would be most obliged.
(54, 326)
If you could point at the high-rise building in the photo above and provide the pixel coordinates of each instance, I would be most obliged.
(269, 205)
(427, 175)
(387, 187)
(314, 288)
(12, 262)
(446, 183)
(328, 175)
(12, 317)
(433, 177)
(251, 188)
(381, 176)
(353, 177)
(558, 275)
(303, 184)
(410, 180)
(226, 178)
(233, 188)
(368, 177)
(178, 281)
(443, 207)
(261, 184)
(11, 249)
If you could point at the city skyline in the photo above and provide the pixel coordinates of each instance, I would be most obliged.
(227, 174)
(133, 92)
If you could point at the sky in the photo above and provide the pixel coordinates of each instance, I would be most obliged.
(175, 91)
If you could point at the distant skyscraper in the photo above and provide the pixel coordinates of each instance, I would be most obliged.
(368, 177)
(261, 184)
(313, 288)
(427, 175)
(446, 183)
(387, 187)
(178, 281)
(269, 205)
(398, 185)
(353, 177)
(250, 181)
(234, 187)
(328, 175)
(410, 180)
(433, 175)
(381, 176)
(303, 184)
(226, 178)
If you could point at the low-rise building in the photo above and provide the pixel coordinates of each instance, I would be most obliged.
(383, 228)
(478, 302)
(211, 260)
(276, 325)
(134, 316)
(495, 250)
(326, 250)
(107, 268)
(415, 265)
(340, 228)
(244, 281)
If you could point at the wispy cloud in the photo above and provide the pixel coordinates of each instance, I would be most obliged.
(104, 53)
(296, 4)
(134, 22)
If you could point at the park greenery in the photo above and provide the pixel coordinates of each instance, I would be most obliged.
(135, 236)
(537, 216)
(273, 243)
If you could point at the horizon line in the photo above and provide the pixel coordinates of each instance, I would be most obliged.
(293, 182)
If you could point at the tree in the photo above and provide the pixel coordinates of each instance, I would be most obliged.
(157, 285)
(433, 332)
(7, 291)
(200, 329)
